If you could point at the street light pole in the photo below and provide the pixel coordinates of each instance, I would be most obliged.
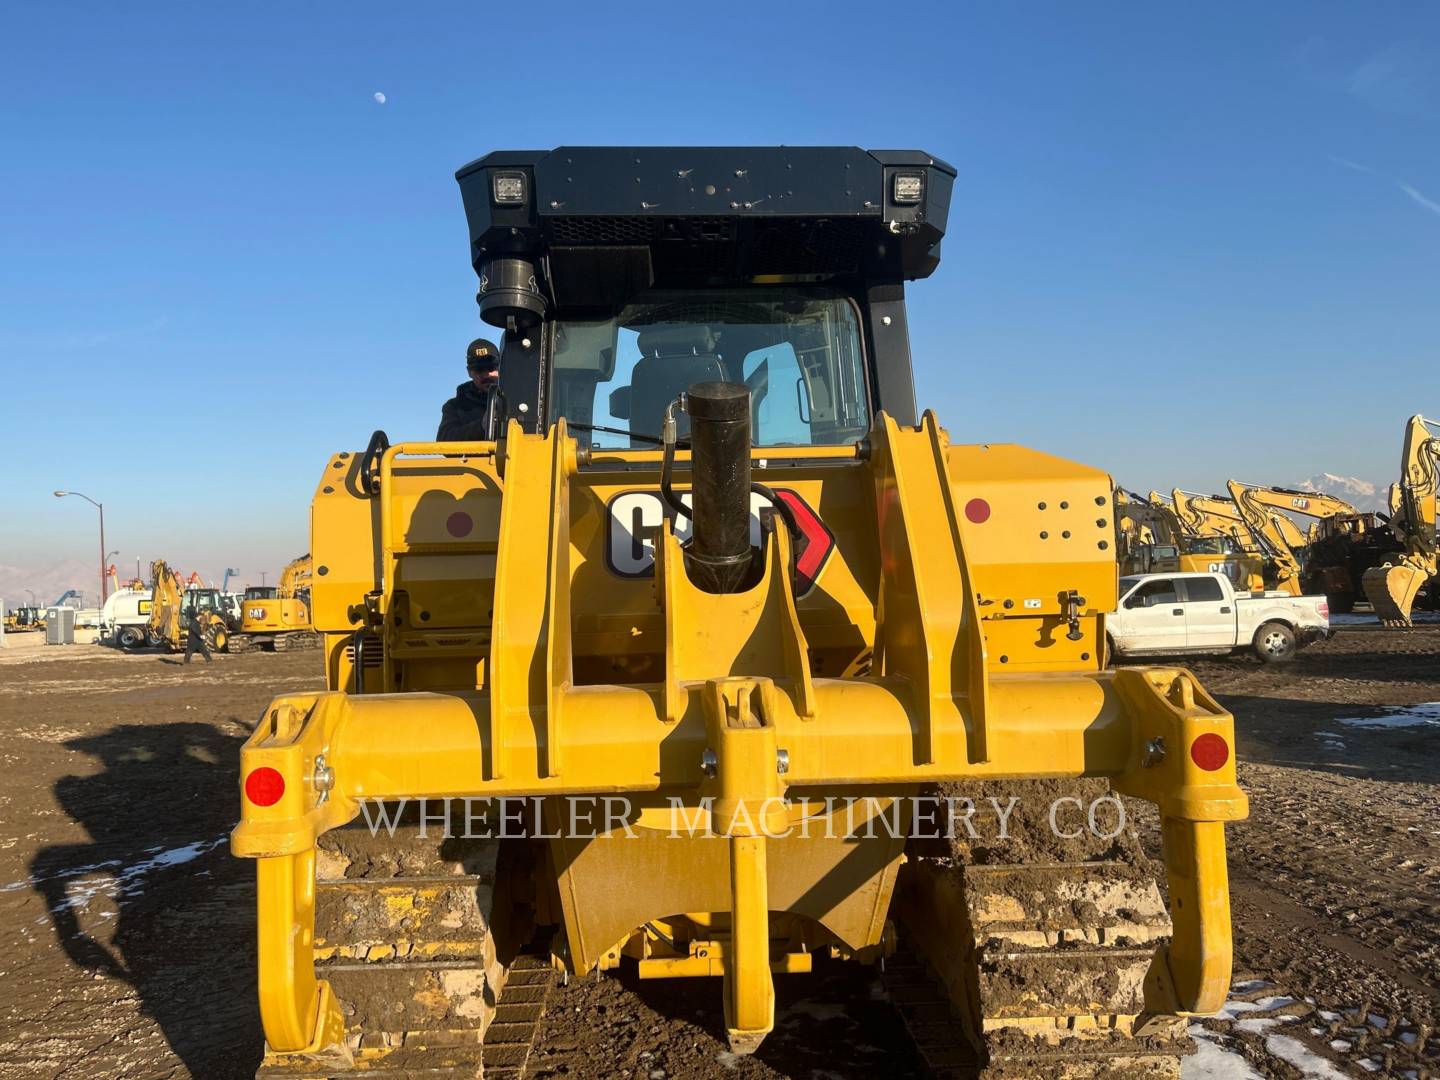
(101, 508)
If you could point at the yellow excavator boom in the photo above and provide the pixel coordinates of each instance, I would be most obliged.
(1283, 563)
(1393, 587)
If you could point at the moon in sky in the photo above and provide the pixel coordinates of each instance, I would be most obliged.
(379, 98)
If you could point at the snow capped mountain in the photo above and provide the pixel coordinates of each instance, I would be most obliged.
(1364, 495)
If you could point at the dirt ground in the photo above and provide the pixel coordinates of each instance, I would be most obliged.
(127, 929)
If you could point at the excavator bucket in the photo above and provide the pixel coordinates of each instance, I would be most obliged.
(1392, 590)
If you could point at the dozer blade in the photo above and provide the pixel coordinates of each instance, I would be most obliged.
(1391, 591)
(404, 938)
(1043, 963)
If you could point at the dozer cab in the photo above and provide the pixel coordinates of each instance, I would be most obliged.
(276, 618)
(1394, 586)
(724, 611)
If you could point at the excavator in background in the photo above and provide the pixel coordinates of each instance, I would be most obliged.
(170, 607)
(1152, 539)
(1217, 515)
(722, 578)
(1282, 563)
(1341, 544)
(1209, 515)
(1393, 587)
(276, 618)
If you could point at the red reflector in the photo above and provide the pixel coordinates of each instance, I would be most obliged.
(1324, 609)
(977, 510)
(1210, 751)
(264, 786)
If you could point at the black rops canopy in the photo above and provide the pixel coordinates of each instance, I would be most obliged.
(620, 219)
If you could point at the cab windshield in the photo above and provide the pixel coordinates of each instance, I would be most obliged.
(797, 349)
(1212, 545)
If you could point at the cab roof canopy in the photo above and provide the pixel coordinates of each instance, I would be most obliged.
(615, 220)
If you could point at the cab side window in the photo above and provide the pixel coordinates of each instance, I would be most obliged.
(1153, 594)
(1199, 590)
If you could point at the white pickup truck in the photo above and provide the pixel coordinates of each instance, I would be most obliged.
(1202, 613)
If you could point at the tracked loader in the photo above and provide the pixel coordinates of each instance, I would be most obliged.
(725, 610)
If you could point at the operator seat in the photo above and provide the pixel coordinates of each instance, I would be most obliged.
(672, 358)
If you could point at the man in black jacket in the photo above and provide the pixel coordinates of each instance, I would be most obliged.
(195, 635)
(469, 415)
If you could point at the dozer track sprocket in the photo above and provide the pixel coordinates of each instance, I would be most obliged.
(1041, 961)
(405, 935)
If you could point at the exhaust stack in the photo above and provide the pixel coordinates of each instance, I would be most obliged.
(719, 556)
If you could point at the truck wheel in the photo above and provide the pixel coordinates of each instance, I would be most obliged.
(1275, 643)
(1108, 659)
(129, 637)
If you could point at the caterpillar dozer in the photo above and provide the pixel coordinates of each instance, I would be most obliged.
(719, 579)
(170, 606)
(24, 619)
(276, 618)
(1392, 587)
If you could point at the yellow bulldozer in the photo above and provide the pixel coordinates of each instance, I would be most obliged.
(170, 606)
(1392, 588)
(24, 619)
(725, 620)
(276, 618)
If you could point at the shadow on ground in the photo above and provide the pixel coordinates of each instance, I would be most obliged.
(154, 897)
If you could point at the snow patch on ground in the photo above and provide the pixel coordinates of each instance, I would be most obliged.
(1294, 1052)
(1249, 986)
(112, 877)
(1216, 1055)
(1212, 1060)
(1234, 1009)
(1426, 714)
(815, 1010)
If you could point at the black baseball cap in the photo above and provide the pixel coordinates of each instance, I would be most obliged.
(482, 355)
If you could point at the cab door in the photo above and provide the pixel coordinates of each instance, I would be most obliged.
(1209, 614)
(1154, 617)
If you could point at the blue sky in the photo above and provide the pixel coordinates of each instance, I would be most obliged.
(1185, 243)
